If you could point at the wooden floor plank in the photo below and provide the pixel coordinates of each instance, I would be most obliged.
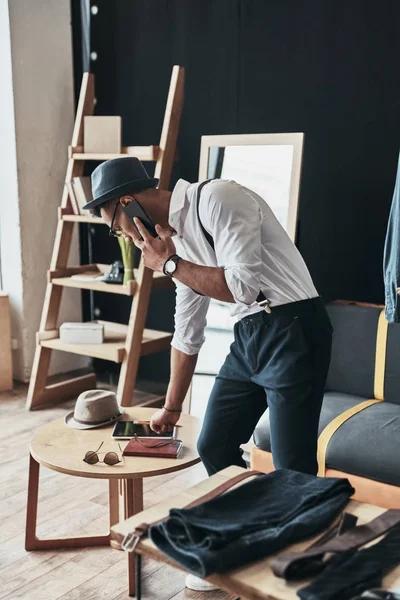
(106, 585)
(32, 560)
(110, 584)
(163, 585)
(56, 514)
(12, 580)
(66, 577)
(12, 485)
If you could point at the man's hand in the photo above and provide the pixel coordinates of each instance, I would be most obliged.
(163, 421)
(155, 251)
(209, 281)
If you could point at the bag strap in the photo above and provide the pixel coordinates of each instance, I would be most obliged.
(291, 564)
(132, 539)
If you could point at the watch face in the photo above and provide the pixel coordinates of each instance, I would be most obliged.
(170, 266)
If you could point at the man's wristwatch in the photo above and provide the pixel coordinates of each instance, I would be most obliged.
(171, 264)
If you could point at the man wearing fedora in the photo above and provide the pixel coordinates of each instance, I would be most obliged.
(220, 240)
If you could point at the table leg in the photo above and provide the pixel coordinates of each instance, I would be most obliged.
(32, 542)
(32, 503)
(114, 507)
(113, 494)
(132, 581)
(138, 576)
(133, 496)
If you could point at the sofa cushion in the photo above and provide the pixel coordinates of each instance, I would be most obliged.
(392, 373)
(353, 362)
(368, 444)
(334, 404)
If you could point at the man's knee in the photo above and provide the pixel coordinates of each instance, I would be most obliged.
(204, 446)
(300, 460)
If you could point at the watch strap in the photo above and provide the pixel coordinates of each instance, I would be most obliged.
(173, 257)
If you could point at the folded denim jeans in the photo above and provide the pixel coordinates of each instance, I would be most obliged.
(259, 518)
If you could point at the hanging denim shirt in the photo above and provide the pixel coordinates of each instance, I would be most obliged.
(391, 260)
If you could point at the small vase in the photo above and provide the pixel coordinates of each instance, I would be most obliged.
(128, 275)
(128, 258)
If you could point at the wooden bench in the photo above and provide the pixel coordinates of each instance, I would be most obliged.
(251, 582)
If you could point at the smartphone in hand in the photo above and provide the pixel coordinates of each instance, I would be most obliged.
(134, 209)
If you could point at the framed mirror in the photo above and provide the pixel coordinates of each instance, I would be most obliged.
(267, 163)
(270, 165)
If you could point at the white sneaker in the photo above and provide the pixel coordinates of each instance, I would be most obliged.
(199, 585)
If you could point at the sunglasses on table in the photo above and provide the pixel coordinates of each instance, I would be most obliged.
(111, 458)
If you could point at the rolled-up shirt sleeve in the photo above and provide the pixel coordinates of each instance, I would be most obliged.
(190, 319)
(233, 218)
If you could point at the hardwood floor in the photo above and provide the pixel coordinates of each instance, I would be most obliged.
(69, 505)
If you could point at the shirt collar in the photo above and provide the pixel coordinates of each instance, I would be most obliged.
(177, 202)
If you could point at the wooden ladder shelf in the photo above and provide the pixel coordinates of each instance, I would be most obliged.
(123, 344)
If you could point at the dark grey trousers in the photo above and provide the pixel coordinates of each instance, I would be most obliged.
(279, 360)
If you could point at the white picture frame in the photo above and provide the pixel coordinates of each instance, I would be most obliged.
(274, 140)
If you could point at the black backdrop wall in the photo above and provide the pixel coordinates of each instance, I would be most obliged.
(329, 68)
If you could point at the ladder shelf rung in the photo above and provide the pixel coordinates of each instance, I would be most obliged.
(113, 347)
(78, 277)
(143, 153)
(84, 219)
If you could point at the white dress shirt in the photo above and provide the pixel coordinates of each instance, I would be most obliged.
(250, 244)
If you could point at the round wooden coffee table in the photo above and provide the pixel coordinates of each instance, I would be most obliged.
(62, 449)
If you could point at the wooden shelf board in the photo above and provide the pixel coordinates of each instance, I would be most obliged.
(97, 286)
(160, 281)
(143, 153)
(113, 347)
(84, 219)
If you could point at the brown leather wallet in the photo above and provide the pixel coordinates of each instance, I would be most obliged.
(152, 447)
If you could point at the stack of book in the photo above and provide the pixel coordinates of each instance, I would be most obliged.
(80, 192)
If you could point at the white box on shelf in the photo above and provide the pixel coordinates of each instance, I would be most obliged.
(102, 135)
(82, 333)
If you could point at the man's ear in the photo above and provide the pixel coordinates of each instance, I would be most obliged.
(125, 200)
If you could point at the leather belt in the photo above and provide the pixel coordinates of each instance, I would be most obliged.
(131, 540)
(295, 565)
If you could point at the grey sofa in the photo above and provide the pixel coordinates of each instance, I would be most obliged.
(365, 365)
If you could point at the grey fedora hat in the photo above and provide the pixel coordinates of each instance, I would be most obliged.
(117, 177)
(94, 408)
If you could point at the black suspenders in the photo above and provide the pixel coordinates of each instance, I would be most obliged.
(209, 238)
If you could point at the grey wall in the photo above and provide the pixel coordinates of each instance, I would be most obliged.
(36, 121)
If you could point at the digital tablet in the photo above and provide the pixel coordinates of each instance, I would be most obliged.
(125, 430)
